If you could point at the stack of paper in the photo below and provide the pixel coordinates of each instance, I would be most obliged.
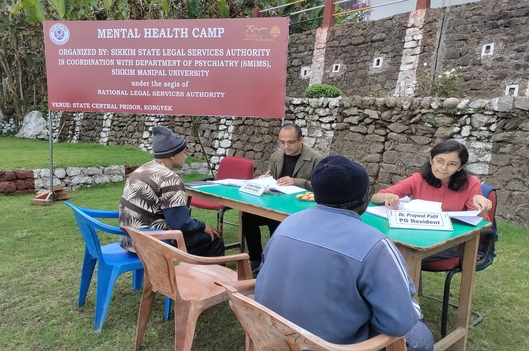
(420, 205)
(469, 217)
(230, 182)
(198, 183)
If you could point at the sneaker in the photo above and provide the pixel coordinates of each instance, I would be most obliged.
(255, 265)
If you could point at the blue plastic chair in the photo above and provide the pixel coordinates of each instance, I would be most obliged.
(113, 260)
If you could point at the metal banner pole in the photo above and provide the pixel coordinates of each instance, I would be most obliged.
(50, 195)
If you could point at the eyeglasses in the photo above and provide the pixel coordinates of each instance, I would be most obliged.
(289, 142)
(441, 162)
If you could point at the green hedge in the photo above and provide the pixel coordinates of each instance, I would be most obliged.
(322, 90)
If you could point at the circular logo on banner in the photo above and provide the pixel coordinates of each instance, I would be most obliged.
(59, 34)
(275, 31)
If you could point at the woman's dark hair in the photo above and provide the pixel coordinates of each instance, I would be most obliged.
(458, 180)
(297, 128)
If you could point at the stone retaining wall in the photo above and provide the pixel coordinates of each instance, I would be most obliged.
(390, 137)
(7, 126)
(485, 42)
(38, 180)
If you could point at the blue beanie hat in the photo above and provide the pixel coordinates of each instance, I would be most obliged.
(340, 182)
(165, 143)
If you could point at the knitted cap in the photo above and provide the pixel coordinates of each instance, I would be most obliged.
(340, 182)
(165, 143)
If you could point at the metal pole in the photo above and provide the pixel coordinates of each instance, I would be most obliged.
(312, 8)
(50, 195)
(373, 6)
(364, 8)
(422, 4)
(284, 5)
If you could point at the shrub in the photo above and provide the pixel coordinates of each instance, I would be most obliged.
(322, 90)
(446, 84)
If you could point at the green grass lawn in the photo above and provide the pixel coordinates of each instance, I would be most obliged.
(41, 254)
(31, 153)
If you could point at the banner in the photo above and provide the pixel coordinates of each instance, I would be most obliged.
(204, 67)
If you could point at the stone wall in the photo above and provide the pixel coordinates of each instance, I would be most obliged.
(37, 181)
(216, 137)
(73, 178)
(489, 41)
(485, 42)
(7, 126)
(390, 137)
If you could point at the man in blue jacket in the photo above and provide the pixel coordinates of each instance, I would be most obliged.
(335, 276)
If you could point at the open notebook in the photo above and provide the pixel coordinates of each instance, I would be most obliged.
(469, 217)
(270, 183)
(273, 188)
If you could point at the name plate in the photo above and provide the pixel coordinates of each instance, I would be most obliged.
(253, 188)
(419, 220)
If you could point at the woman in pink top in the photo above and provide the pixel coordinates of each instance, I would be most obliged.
(442, 179)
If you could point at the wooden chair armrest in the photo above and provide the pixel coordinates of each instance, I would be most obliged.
(167, 235)
(391, 343)
(163, 235)
(188, 258)
(244, 287)
(244, 270)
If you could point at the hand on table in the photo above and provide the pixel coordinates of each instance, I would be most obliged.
(285, 181)
(213, 232)
(392, 201)
(482, 204)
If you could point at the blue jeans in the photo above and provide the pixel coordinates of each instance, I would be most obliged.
(200, 244)
(419, 338)
(252, 233)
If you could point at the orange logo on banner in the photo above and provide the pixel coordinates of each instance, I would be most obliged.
(257, 33)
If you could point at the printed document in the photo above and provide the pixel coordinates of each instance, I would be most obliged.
(273, 188)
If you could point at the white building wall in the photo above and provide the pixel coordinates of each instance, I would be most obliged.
(387, 8)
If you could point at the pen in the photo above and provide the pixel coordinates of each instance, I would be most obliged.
(266, 174)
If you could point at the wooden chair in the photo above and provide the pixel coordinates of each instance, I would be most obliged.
(185, 278)
(266, 330)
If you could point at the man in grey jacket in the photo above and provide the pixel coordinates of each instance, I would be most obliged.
(291, 164)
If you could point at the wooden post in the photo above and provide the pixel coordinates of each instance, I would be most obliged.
(422, 4)
(328, 13)
(255, 12)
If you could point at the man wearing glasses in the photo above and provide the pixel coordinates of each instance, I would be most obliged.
(291, 164)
